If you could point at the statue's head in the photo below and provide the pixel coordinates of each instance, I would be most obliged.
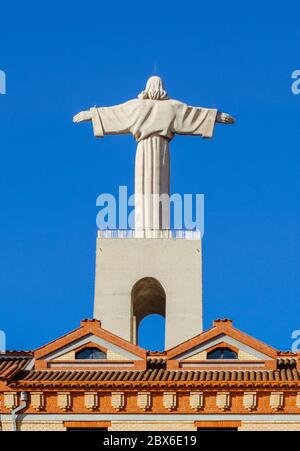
(154, 90)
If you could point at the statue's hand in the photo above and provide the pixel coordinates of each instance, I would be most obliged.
(224, 118)
(82, 117)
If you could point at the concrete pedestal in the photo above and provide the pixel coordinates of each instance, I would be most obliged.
(139, 276)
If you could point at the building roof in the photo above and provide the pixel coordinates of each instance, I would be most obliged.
(267, 367)
(9, 366)
(222, 327)
(107, 378)
(88, 327)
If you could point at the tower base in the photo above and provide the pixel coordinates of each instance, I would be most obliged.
(159, 274)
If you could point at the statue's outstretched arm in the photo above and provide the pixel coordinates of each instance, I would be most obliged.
(82, 116)
(224, 118)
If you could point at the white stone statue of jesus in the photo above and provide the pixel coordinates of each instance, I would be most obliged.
(153, 119)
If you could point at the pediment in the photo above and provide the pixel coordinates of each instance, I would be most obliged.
(223, 334)
(243, 351)
(113, 351)
(64, 352)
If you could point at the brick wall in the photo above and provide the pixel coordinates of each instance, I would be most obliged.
(34, 426)
(270, 426)
(152, 426)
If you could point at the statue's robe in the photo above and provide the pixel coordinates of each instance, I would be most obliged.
(153, 123)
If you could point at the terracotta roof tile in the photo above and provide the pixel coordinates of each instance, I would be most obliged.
(10, 365)
(283, 363)
(161, 375)
(156, 363)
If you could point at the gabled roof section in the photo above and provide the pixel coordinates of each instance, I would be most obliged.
(88, 330)
(222, 330)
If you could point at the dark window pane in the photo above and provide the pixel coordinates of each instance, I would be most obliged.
(228, 354)
(90, 353)
(222, 353)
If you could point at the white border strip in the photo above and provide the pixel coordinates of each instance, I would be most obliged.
(152, 234)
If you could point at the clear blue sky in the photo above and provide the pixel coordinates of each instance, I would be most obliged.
(61, 57)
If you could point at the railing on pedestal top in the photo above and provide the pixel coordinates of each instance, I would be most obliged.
(175, 234)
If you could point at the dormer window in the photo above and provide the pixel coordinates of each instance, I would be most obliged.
(222, 353)
(90, 354)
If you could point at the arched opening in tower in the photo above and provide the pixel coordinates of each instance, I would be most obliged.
(148, 297)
